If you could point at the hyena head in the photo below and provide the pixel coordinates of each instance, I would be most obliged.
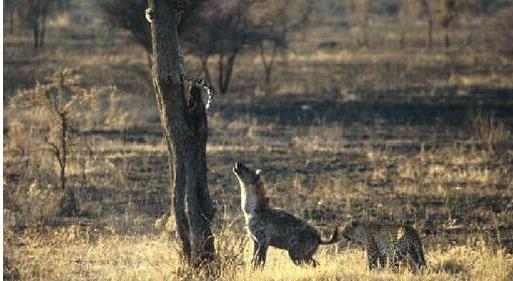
(246, 175)
(353, 232)
(251, 187)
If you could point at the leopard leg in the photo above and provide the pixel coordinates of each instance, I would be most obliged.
(372, 254)
(382, 261)
(398, 256)
(416, 257)
(372, 258)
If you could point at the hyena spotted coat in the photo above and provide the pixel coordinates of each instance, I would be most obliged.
(268, 226)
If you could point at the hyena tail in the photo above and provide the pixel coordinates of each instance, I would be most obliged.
(334, 237)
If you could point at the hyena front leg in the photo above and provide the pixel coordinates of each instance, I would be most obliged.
(260, 250)
(255, 248)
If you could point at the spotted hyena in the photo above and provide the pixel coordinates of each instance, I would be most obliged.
(268, 226)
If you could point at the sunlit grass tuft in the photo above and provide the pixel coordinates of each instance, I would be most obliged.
(74, 254)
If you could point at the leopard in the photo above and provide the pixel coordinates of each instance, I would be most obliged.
(192, 79)
(387, 242)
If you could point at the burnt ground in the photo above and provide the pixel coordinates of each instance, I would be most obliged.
(418, 162)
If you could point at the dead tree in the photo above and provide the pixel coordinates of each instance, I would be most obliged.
(10, 7)
(404, 15)
(427, 8)
(61, 95)
(34, 13)
(447, 19)
(184, 122)
(360, 13)
(223, 30)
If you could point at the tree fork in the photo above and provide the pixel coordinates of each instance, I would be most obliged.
(184, 123)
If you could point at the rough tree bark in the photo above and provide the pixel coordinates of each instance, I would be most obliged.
(184, 123)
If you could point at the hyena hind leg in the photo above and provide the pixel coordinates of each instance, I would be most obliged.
(302, 250)
(311, 261)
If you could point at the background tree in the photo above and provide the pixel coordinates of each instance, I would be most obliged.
(34, 14)
(268, 50)
(184, 123)
(10, 8)
(404, 21)
(222, 30)
(273, 22)
(479, 7)
(447, 17)
(60, 96)
(427, 11)
(497, 34)
(126, 14)
(360, 15)
(209, 29)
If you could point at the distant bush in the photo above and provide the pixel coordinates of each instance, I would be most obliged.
(490, 131)
(389, 8)
(502, 30)
(496, 34)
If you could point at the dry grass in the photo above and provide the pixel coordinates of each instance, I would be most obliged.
(376, 132)
(74, 253)
(489, 131)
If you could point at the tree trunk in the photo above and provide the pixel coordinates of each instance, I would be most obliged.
(42, 24)
(447, 42)
(64, 150)
(204, 67)
(226, 63)
(32, 17)
(35, 31)
(430, 33)
(184, 123)
(220, 70)
(11, 21)
(229, 70)
(68, 205)
(365, 24)
(268, 65)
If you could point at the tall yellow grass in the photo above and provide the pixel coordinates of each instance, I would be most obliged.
(72, 254)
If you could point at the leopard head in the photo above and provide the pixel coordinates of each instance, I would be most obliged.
(353, 232)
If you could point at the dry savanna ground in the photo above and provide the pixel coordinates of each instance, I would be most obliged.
(415, 135)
